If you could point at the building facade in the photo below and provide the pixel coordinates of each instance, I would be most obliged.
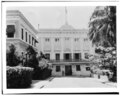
(67, 48)
(19, 32)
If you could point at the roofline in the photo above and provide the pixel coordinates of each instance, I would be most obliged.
(23, 17)
(57, 29)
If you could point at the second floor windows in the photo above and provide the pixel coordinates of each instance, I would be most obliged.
(26, 36)
(29, 39)
(10, 31)
(47, 39)
(67, 38)
(22, 33)
(86, 55)
(76, 39)
(56, 39)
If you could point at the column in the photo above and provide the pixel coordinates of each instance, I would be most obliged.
(82, 47)
(52, 55)
(72, 43)
(62, 48)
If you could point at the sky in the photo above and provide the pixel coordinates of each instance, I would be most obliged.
(54, 17)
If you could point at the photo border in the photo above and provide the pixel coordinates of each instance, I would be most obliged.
(35, 91)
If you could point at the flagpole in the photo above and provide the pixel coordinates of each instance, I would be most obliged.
(66, 22)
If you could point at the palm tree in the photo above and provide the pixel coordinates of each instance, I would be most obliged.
(102, 26)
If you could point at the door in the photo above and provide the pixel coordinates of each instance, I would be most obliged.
(68, 70)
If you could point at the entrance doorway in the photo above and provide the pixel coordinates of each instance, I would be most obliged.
(68, 70)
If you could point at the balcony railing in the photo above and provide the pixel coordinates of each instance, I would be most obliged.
(71, 60)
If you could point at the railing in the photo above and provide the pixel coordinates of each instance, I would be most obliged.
(71, 60)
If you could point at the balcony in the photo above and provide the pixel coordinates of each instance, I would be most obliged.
(67, 61)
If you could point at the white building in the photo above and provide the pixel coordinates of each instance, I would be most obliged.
(68, 50)
(19, 31)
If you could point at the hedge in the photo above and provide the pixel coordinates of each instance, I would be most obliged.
(19, 77)
(41, 74)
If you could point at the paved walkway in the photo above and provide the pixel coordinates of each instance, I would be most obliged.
(72, 82)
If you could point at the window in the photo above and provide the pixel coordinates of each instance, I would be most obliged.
(87, 68)
(35, 43)
(47, 55)
(10, 31)
(57, 68)
(10, 35)
(77, 56)
(22, 34)
(67, 38)
(76, 39)
(32, 40)
(47, 39)
(26, 36)
(57, 56)
(86, 56)
(77, 67)
(56, 39)
(29, 39)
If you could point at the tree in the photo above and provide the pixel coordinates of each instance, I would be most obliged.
(102, 32)
(102, 26)
(32, 61)
(12, 58)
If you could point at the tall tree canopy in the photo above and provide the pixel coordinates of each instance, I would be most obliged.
(102, 26)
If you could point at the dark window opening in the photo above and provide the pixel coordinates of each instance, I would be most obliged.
(57, 68)
(47, 39)
(57, 56)
(76, 39)
(10, 35)
(22, 34)
(10, 31)
(29, 39)
(87, 68)
(77, 56)
(86, 56)
(56, 39)
(78, 68)
(32, 40)
(67, 56)
(47, 56)
(26, 36)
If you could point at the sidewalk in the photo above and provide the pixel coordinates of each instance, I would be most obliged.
(104, 80)
(40, 83)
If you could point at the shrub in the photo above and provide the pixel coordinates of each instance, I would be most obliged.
(32, 60)
(12, 58)
(19, 77)
(41, 74)
(114, 76)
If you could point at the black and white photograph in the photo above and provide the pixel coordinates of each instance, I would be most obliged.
(59, 47)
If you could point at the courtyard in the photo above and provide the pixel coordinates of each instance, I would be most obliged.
(73, 82)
